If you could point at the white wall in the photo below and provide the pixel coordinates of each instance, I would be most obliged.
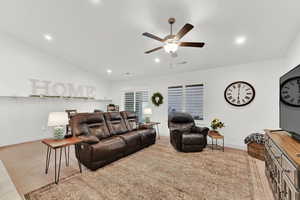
(24, 119)
(293, 55)
(260, 114)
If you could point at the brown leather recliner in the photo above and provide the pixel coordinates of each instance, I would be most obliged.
(185, 136)
(108, 137)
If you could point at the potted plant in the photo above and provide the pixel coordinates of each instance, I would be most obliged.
(215, 124)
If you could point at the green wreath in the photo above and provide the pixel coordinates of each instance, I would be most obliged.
(157, 99)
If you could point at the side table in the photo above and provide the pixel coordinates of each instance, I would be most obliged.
(55, 145)
(150, 125)
(215, 135)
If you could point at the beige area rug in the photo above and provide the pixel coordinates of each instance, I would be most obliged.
(159, 172)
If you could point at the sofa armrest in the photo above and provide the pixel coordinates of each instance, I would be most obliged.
(90, 139)
(201, 130)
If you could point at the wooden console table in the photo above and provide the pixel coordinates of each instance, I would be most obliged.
(60, 144)
(282, 162)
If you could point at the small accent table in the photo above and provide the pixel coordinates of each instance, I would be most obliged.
(150, 125)
(61, 144)
(215, 135)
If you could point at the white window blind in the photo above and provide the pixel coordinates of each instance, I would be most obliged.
(136, 102)
(194, 100)
(175, 99)
(141, 101)
(129, 101)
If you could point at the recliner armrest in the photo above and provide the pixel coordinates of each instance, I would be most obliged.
(91, 139)
(202, 130)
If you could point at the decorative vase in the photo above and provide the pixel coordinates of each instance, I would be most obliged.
(59, 133)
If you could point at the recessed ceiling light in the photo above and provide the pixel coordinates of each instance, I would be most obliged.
(109, 71)
(240, 40)
(95, 1)
(48, 37)
(157, 60)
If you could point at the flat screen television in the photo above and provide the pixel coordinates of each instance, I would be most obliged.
(290, 102)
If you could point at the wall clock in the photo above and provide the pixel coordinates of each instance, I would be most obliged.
(290, 92)
(239, 93)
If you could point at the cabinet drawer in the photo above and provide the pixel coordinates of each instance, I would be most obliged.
(277, 154)
(288, 191)
(290, 171)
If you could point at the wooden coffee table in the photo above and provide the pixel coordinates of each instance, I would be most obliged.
(53, 144)
(214, 135)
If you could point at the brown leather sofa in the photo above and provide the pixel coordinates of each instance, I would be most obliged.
(185, 136)
(108, 137)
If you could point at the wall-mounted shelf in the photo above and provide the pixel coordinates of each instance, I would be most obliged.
(36, 97)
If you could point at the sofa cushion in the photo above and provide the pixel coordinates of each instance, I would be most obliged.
(99, 130)
(108, 148)
(131, 120)
(91, 139)
(180, 117)
(187, 127)
(193, 139)
(115, 123)
(132, 138)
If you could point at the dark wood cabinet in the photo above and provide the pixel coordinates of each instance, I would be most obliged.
(282, 165)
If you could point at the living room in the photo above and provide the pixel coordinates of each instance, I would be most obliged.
(159, 99)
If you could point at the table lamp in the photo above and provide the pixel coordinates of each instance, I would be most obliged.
(147, 112)
(58, 120)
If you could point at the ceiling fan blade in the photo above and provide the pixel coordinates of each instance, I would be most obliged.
(192, 44)
(185, 29)
(150, 51)
(153, 36)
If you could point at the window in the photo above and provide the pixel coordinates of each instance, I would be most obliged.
(175, 98)
(188, 98)
(136, 102)
(194, 101)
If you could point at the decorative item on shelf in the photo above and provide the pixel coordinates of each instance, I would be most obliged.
(215, 124)
(157, 99)
(70, 113)
(112, 108)
(147, 112)
(58, 120)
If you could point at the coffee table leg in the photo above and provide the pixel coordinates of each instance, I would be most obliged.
(78, 153)
(57, 172)
(212, 144)
(67, 158)
(223, 144)
(157, 131)
(48, 156)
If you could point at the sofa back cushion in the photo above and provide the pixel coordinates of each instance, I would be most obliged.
(115, 123)
(90, 124)
(181, 121)
(131, 120)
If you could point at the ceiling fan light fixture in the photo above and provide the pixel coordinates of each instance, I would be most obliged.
(171, 47)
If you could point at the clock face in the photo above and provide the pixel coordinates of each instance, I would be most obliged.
(239, 93)
(290, 92)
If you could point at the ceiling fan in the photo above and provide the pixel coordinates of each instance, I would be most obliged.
(172, 42)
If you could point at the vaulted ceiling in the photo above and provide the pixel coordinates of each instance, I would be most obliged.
(107, 34)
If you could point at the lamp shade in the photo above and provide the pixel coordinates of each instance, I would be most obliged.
(148, 111)
(58, 119)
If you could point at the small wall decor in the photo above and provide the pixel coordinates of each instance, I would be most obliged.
(157, 99)
(112, 108)
(239, 93)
